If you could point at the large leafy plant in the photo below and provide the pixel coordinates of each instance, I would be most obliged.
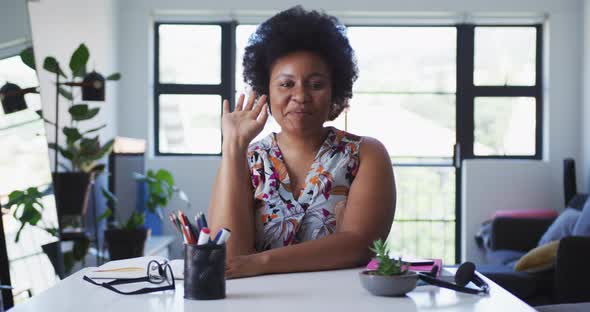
(387, 266)
(28, 209)
(82, 148)
(160, 190)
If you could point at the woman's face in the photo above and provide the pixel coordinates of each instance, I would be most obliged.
(300, 91)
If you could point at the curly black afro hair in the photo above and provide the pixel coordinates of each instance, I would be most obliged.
(296, 29)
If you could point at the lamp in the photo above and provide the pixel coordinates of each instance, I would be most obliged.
(13, 98)
(93, 87)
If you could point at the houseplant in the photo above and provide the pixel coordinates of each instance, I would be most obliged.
(392, 277)
(127, 239)
(27, 208)
(82, 149)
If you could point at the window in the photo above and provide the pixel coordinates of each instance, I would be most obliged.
(446, 93)
(500, 101)
(193, 73)
(409, 83)
(498, 91)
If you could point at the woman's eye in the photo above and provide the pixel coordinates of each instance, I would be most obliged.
(286, 84)
(317, 85)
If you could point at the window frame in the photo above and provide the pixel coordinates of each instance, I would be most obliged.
(467, 91)
(225, 88)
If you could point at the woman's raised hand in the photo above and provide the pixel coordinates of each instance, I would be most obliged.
(246, 121)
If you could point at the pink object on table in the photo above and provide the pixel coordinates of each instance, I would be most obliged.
(526, 213)
(374, 265)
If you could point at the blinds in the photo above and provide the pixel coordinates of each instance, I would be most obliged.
(360, 17)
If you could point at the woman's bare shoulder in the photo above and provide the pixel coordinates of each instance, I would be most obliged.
(371, 148)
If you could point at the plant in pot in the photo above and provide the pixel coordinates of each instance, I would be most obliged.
(27, 208)
(82, 148)
(127, 239)
(391, 278)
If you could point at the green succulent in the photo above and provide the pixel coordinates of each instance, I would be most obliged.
(387, 266)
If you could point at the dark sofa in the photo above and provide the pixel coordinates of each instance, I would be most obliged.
(506, 239)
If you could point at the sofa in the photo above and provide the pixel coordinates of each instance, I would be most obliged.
(506, 239)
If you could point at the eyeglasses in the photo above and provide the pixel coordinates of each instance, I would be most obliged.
(157, 273)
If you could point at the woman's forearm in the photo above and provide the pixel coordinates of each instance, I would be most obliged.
(231, 204)
(335, 251)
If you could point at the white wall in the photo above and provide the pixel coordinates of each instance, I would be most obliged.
(59, 26)
(489, 185)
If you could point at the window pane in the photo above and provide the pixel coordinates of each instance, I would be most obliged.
(505, 56)
(504, 126)
(421, 125)
(243, 33)
(190, 124)
(338, 123)
(405, 58)
(424, 223)
(24, 157)
(190, 54)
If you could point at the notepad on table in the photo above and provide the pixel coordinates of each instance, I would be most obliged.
(417, 265)
(134, 268)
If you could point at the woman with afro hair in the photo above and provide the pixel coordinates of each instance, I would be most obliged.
(310, 197)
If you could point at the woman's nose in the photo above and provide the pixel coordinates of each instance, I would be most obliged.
(300, 93)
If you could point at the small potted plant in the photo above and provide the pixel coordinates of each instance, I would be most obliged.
(391, 278)
(127, 239)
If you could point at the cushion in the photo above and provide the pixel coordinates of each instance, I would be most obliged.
(562, 226)
(582, 227)
(578, 201)
(526, 213)
(538, 259)
(503, 256)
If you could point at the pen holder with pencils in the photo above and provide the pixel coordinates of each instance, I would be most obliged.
(204, 271)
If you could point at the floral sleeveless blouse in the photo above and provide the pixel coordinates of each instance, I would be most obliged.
(280, 219)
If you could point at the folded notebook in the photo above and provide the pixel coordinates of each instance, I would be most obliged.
(134, 268)
(417, 265)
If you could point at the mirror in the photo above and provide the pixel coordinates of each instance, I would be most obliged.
(24, 166)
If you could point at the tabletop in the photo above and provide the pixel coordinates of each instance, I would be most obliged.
(337, 290)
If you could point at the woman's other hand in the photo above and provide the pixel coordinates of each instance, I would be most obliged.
(244, 266)
(246, 121)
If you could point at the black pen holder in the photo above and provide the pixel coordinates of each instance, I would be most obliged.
(204, 272)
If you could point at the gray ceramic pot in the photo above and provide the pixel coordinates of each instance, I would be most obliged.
(381, 285)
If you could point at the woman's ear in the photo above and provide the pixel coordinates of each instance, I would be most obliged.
(268, 104)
